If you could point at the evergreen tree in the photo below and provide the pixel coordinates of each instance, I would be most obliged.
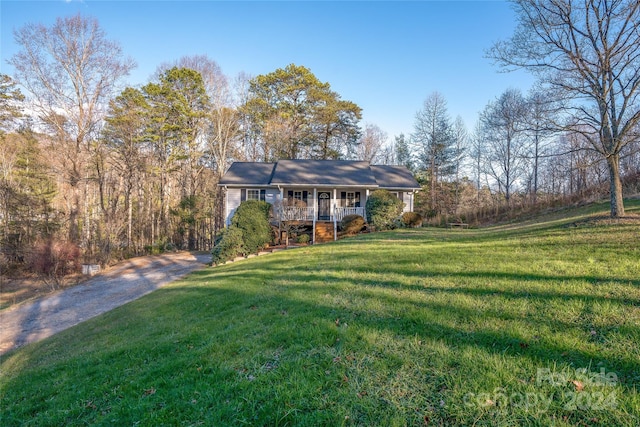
(294, 115)
(403, 152)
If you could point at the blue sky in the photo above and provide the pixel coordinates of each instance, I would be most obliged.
(387, 57)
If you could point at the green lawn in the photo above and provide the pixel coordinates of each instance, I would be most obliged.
(534, 323)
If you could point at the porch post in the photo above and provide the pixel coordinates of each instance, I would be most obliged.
(365, 206)
(333, 202)
(315, 213)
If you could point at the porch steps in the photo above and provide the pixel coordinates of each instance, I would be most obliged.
(324, 232)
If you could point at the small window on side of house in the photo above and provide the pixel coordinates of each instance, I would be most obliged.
(253, 194)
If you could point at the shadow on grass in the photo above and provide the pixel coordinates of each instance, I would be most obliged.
(545, 351)
(239, 323)
(240, 320)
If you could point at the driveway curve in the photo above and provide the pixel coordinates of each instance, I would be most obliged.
(38, 319)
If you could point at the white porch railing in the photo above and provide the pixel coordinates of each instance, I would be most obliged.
(294, 213)
(342, 212)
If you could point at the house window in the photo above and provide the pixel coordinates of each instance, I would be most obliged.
(253, 194)
(297, 195)
(351, 199)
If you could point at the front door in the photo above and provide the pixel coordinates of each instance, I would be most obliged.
(324, 206)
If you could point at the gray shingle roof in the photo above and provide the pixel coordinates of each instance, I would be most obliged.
(394, 177)
(323, 172)
(248, 173)
(335, 173)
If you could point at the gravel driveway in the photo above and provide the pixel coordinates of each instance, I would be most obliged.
(127, 281)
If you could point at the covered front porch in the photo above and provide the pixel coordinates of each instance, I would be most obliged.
(320, 204)
(321, 209)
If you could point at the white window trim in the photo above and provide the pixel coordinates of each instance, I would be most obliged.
(250, 190)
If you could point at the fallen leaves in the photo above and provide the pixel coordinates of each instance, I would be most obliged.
(579, 385)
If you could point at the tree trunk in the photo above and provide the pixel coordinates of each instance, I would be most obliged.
(615, 186)
(74, 227)
(535, 169)
(129, 219)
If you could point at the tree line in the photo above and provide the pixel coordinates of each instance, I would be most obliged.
(515, 158)
(577, 130)
(121, 170)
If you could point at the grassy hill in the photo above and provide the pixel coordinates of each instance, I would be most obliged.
(535, 323)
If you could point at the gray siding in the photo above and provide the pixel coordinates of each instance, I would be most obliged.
(234, 198)
(272, 195)
(406, 199)
(233, 201)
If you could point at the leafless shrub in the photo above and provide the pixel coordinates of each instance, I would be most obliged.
(52, 260)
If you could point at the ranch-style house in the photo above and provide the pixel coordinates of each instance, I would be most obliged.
(317, 192)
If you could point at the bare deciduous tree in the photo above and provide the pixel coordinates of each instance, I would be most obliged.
(460, 139)
(477, 154)
(370, 145)
(541, 116)
(503, 123)
(589, 52)
(71, 70)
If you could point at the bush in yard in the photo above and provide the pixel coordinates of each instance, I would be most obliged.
(383, 208)
(303, 238)
(229, 246)
(52, 260)
(411, 219)
(252, 218)
(352, 224)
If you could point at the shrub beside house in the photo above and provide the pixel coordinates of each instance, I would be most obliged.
(383, 210)
(248, 233)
